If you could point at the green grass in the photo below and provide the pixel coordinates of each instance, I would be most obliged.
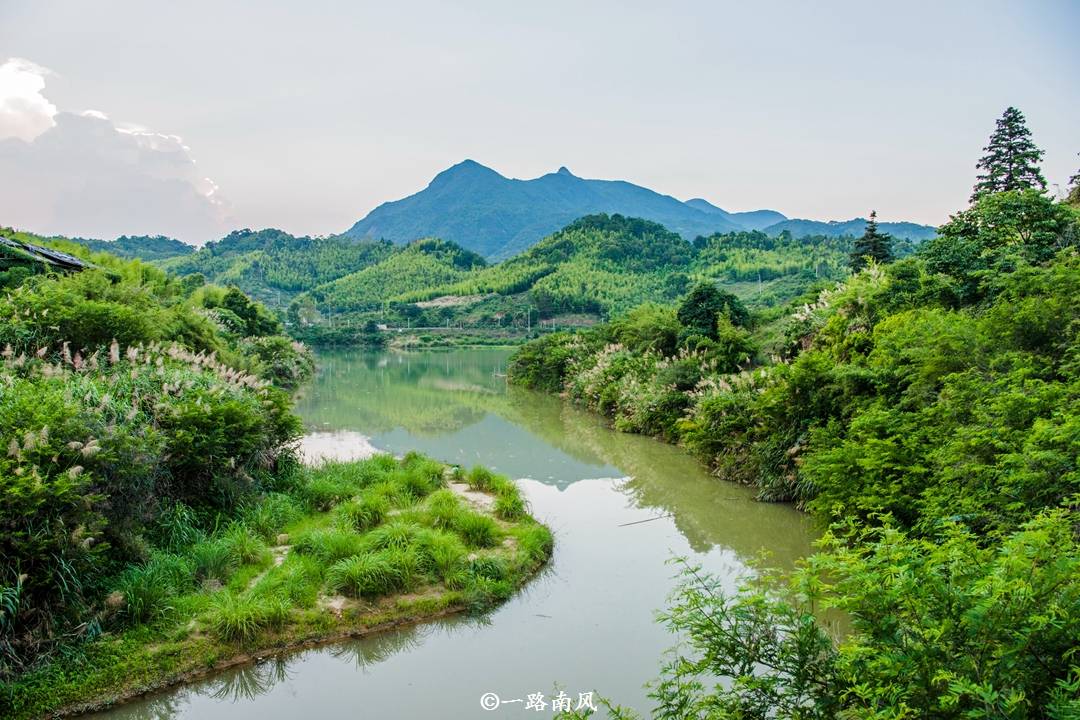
(478, 531)
(368, 530)
(510, 507)
(374, 574)
(271, 515)
(239, 619)
(329, 545)
(248, 547)
(214, 560)
(363, 512)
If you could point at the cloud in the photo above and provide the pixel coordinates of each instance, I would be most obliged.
(84, 175)
(24, 112)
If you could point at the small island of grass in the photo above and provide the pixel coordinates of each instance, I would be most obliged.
(339, 550)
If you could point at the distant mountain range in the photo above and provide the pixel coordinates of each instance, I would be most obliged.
(499, 217)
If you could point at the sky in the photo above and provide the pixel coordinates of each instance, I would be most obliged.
(193, 118)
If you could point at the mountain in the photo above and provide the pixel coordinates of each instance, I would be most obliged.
(751, 220)
(498, 217)
(850, 228)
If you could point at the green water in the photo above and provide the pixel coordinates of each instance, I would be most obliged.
(585, 624)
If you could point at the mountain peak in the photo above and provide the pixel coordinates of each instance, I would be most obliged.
(704, 205)
(564, 171)
(465, 169)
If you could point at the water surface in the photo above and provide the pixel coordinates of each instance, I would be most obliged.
(584, 624)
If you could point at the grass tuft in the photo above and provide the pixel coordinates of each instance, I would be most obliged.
(478, 531)
(373, 574)
(363, 512)
(329, 545)
(239, 619)
(214, 560)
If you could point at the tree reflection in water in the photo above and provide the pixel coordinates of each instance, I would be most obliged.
(249, 681)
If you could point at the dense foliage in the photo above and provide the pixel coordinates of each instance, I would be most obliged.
(124, 394)
(932, 408)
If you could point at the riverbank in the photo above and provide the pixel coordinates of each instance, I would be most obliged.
(349, 550)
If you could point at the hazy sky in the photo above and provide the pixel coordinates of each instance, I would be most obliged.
(305, 115)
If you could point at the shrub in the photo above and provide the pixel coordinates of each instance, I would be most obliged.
(941, 627)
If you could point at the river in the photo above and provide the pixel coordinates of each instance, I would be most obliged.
(585, 624)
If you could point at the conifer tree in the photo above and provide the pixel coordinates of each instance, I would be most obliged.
(873, 245)
(1011, 161)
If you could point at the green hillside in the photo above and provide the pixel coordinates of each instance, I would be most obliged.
(421, 264)
(275, 266)
(597, 267)
(141, 247)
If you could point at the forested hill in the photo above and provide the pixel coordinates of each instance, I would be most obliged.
(597, 267)
(499, 217)
(275, 266)
(143, 247)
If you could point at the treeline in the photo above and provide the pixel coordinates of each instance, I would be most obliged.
(929, 410)
(328, 289)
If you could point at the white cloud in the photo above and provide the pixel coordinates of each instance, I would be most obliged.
(82, 175)
(24, 112)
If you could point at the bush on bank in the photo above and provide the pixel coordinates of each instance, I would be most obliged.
(931, 408)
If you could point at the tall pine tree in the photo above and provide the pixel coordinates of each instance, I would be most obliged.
(873, 245)
(1011, 161)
